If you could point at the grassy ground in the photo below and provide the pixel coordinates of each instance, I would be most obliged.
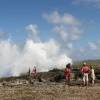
(49, 92)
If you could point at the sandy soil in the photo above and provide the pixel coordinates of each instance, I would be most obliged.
(49, 92)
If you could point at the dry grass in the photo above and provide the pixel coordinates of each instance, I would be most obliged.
(49, 92)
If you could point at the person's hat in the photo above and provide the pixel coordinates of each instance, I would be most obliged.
(84, 63)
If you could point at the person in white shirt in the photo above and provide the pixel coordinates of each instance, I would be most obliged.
(92, 75)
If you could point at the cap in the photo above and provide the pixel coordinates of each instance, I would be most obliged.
(84, 63)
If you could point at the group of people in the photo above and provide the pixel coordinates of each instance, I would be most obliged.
(85, 70)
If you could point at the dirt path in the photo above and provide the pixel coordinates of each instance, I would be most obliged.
(49, 92)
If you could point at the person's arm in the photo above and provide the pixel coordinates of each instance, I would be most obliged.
(81, 69)
(64, 72)
(94, 73)
(89, 70)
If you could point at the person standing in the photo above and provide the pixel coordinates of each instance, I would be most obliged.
(85, 70)
(34, 72)
(92, 75)
(67, 73)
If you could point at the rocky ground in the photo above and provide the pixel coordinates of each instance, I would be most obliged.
(48, 91)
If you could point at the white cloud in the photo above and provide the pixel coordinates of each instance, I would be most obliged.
(74, 33)
(68, 28)
(56, 18)
(92, 46)
(68, 33)
(66, 25)
(69, 19)
(62, 32)
(32, 28)
(44, 55)
(94, 3)
(53, 18)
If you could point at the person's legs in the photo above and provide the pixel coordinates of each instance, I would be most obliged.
(93, 79)
(84, 79)
(66, 80)
(87, 79)
(92, 82)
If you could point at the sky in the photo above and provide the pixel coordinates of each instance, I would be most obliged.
(47, 33)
